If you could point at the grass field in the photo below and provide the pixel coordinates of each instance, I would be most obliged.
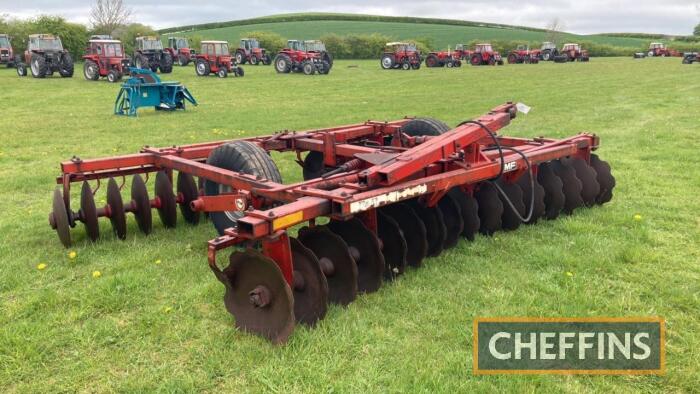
(154, 320)
(443, 35)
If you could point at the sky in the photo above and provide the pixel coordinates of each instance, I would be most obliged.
(583, 17)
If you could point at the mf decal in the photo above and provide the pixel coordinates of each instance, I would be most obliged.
(512, 166)
(387, 198)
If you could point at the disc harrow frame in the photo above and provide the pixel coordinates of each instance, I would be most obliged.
(367, 168)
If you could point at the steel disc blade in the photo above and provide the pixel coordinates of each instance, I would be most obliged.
(413, 230)
(258, 296)
(310, 288)
(553, 191)
(59, 218)
(469, 209)
(364, 249)
(587, 175)
(336, 263)
(435, 229)
(168, 205)
(571, 186)
(605, 179)
(452, 216)
(394, 248)
(538, 206)
(139, 195)
(490, 207)
(510, 219)
(187, 187)
(88, 212)
(116, 208)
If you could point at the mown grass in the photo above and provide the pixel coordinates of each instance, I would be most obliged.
(443, 35)
(143, 326)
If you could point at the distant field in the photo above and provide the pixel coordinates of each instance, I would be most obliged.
(442, 34)
(155, 321)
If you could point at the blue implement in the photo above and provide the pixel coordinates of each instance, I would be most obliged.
(145, 89)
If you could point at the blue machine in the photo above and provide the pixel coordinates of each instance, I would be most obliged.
(145, 89)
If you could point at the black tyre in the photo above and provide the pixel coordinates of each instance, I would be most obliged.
(308, 67)
(432, 61)
(141, 61)
(166, 63)
(66, 66)
(222, 73)
(425, 126)
(244, 157)
(406, 65)
(283, 64)
(182, 60)
(266, 60)
(387, 62)
(324, 68)
(91, 70)
(547, 55)
(238, 71)
(254, 60)
(240, 57)
(21, 69)
(114, 76)
(202, 68)
(38, 66)
(326, 57)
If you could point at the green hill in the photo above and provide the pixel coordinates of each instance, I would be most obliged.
(443, 32)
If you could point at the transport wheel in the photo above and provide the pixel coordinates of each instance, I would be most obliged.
(88, 212)
(139, 197)
(435, 229)
(452, 216)
(91, 70)
(187, 191)
(413, 231)
(425, 126)
(240, 156)
(588, 177)
(393, 245)
(554, 198)
(335, 261)
(571, 186)
(538, 206)
(605, 179)
(490, 207)
(513, 193)
(365, 251)
(469, 210)
(168, 204)
(59, 218)
(310, 287)
(116, 208)
(258, 296)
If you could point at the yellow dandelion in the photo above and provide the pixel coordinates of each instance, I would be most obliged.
(96, 274)
(158, 261)
(41, 266)
(72, 254)
(167, 309)
(568, 273)
(637, 217)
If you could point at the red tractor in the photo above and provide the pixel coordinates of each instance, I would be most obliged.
(485, 55)
(447, 59)
(149, 54)
(214, 57)
(7, 55)
(104, 57)
(571, 53)
(463, 51)
(45, 55)
(308, 57)
(180, 51)
(659, 49)
(523, 54)
(250, 51)
(403, 55)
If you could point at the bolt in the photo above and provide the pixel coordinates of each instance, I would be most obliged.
(327, 266)
(299, 283)
(259, 297)
(271, 214)
(354, 253)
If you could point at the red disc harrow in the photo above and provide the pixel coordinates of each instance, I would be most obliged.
(395, 193)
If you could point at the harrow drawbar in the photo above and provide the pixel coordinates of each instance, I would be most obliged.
(395, 193)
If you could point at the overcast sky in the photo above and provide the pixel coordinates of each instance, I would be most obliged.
(583, 16)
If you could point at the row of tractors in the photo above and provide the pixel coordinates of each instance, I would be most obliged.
(406, 56)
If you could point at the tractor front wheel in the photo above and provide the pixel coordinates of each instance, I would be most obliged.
(406, 65)
(308, 68)
(475, 60)
(202, 68)
(432, 61)
(266, 60)
(141, 61)
(238, 71)
(114, 76)
(38, 66)
(222, 73)
(91, 70)
(254, 60)
(21, 69)
(182, 60)
(512, 58)
(283, 64)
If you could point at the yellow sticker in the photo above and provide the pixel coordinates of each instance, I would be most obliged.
(288, 220)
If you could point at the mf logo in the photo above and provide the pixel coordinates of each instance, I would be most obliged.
(511, 166)
(615, 346)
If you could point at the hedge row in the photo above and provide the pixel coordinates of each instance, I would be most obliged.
(72, 35)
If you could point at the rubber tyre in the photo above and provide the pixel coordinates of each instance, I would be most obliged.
(141, 61)
(166, 63)
(202, 68)
(114, 76)
(21, 70)
(432, 61)
(238, 71)
(283, 64)
(66, 66)
(425, 126)
(308, 68)
(244, 157)
(512, 58)
(38, 66)
(387, 62)
(222, 73)
(254, 60)
(182, 60)
(240, 57)
(91, 70)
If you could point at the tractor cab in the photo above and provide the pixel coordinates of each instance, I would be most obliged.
(657, 45)
(44, 43)
(483, 48)
(249, 44)
(101, 37)
(314, 46)
(178, 43)
(571, 47)
(149, 44)
(6, 54)
(215, 48)
(548, 46)
(295, 45)
(400, 47)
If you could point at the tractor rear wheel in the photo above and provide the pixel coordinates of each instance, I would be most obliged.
(475, 60)
(202, 68)
(266, 60)
(283, 63)
(512, 58)
(141, 61)
(182, 60)
(66, 67)
(432, 61)
(166, 63)
(114, 76)
(387, 62)
(38, 66)
(325, 68)
(222, 73)
(91, 70)
(240, 57)
(244, 157)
